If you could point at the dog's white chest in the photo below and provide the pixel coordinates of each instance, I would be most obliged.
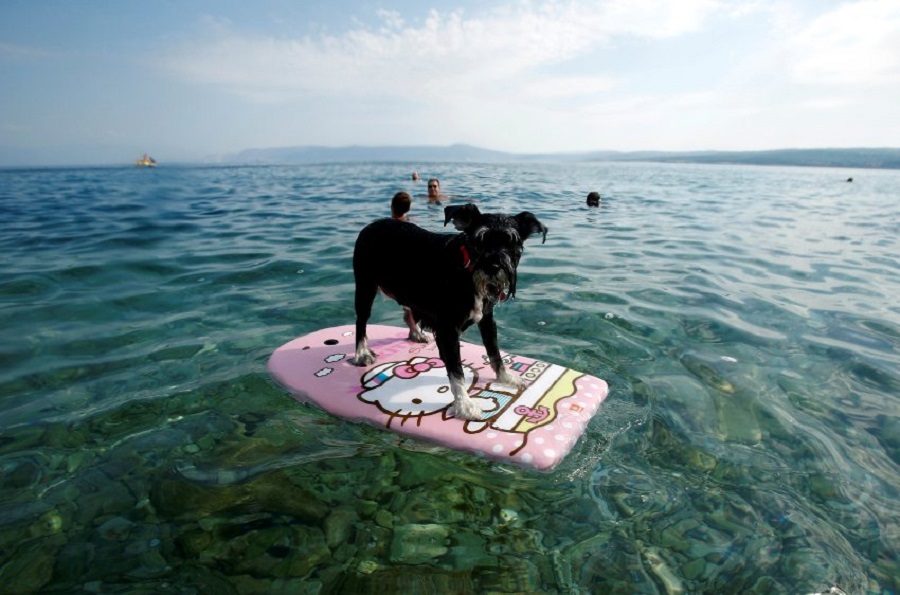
(477, 312)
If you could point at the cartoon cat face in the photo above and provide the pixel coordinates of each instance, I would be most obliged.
(413, 388)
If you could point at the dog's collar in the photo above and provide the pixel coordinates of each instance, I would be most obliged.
(467, 262)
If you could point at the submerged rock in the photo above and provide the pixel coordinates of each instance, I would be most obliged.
(281, 551)
(512, 575)
(174, 496)
(384, 518)
(412, 579)
(419, 543)
(248, 585)
(694, 569)
(662, 572)
(339, 526)
(30, 569)
(469, 551)
(372, 540)
(115, 529)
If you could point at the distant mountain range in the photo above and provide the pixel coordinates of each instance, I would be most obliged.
(857, 158)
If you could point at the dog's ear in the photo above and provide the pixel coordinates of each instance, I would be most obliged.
(528, 224)
(463, 216)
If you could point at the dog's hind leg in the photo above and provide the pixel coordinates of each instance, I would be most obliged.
(448, 347)
(365, 295)
(488, 329)
(415, 331)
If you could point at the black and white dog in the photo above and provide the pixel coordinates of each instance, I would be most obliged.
(445, 281)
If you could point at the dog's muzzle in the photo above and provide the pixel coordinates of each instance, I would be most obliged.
(495, 282)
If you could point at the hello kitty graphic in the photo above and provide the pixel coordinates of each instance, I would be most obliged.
(418, 387)
(414, 388)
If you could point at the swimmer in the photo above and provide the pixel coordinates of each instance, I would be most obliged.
(434, 192)
(400, 206)
(593, 199)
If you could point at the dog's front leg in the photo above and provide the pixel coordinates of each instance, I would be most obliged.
(448, 347)
(488, 329)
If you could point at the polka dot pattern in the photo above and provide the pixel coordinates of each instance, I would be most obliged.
(544, 446)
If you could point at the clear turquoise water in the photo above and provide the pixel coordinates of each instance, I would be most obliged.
(746, 319)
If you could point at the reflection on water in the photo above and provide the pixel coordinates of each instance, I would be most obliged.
(745, 318)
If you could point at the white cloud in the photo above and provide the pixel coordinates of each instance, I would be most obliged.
(857, 43)
(554, 87)
(565, 75)
(826, 103)
(445, 53)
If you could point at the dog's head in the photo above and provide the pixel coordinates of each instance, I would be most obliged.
(494, 242)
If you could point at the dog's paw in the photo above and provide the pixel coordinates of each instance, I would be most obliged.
(504, 377)
(466, 409)
(417, 336)
(363, 358)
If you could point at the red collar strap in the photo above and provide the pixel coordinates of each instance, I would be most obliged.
(467, 262)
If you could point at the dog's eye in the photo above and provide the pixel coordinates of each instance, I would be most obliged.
(511, 242)
(505, 240)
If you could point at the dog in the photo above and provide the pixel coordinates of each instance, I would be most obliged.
(445, 283)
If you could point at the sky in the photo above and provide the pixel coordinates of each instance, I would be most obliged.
(104, 82)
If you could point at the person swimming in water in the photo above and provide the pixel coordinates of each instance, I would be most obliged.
(400, 206)
(434, 192)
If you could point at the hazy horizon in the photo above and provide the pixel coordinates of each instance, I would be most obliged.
(472, 154)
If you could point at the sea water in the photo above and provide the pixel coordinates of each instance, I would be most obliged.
(746, 319)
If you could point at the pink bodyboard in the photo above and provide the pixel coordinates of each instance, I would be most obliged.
(406, 391)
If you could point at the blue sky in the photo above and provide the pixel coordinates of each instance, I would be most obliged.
(103, 82)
